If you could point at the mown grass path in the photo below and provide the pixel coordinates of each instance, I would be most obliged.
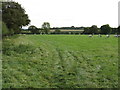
(60, 61)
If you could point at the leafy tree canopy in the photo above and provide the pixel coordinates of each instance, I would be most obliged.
(93, 29)
(105, 29)
(14, 16)
(33, 29)
(118, 30)
(46, 27)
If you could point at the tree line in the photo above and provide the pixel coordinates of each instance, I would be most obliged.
(104, 29)
(14, 18)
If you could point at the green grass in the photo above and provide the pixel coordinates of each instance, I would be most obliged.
(60, 61)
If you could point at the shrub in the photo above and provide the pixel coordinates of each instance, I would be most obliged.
(10, 49)
(5, 30)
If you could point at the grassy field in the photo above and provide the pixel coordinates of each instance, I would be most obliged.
(60, 61)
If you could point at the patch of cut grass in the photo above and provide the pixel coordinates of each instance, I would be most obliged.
(60, 61)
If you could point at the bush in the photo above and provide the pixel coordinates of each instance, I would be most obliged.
(23, 49)
(5, 30)
(7, 47)
(10, 49)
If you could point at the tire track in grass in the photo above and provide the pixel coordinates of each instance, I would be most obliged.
(59, 73)
(93, 70)
(79, 76)
(84, 70)
(64, 77)
(67, 73)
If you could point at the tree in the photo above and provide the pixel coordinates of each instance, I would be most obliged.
(118, 30)
(86, 30)
(114, 30)
(46, 27)
(14, 16)
(33, 29)
(93, 29)
(105, 29)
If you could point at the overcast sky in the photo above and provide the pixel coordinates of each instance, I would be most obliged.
(61, 13)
